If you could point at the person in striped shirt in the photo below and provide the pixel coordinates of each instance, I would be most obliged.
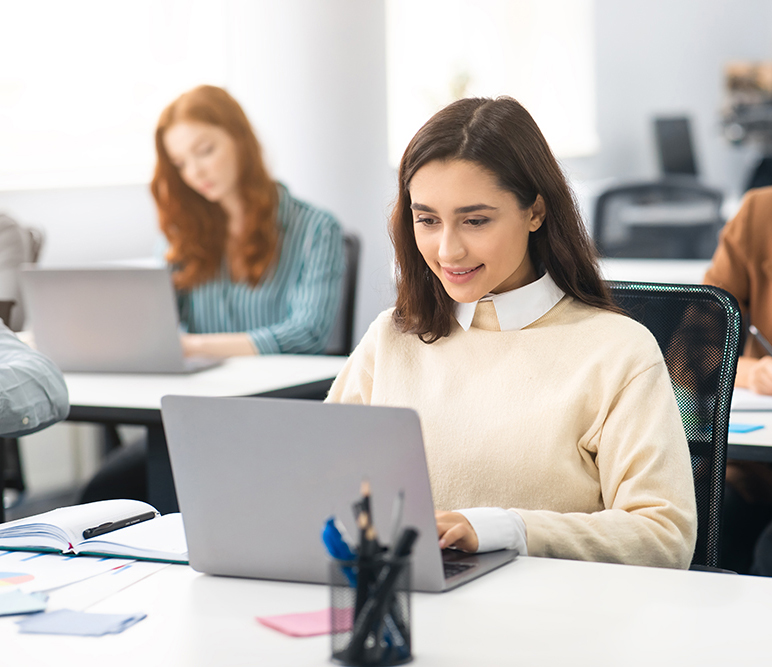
(257, 270)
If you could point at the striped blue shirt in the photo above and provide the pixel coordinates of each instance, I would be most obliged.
(292, 310)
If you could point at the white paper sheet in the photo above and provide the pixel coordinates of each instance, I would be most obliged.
(37, 572)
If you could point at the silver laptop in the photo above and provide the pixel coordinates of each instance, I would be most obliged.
(256, 479)
(116, 319)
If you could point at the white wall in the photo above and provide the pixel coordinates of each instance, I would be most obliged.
(314, 86)
(311, 75)
(84, 225)
(660, 57)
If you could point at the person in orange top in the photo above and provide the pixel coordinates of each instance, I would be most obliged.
(742, 265)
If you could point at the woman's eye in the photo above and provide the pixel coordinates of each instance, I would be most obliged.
(426, 221)
(476, 222)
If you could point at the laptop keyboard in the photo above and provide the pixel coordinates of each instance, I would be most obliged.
(452, 569)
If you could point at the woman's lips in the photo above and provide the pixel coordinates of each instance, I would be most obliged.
(460, 275)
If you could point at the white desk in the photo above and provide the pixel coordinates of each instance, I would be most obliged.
(237, 376)
(678, 271)
(136, 399)
(755, 445)
(532, 612)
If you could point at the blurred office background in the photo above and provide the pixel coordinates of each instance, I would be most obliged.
(335, 88)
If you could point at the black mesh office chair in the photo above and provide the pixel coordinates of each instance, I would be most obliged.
(698, 328)
(342, 337)
(674, 218)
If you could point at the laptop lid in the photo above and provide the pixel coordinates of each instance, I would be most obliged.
(256, 478)
(117, 319)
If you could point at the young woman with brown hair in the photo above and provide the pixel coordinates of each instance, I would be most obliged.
(547, 414)
(257, 270)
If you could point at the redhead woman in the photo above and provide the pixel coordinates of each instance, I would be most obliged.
(549, 419)
(257, 271)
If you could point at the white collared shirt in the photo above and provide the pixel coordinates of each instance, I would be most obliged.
(497, 528)
(517, 308)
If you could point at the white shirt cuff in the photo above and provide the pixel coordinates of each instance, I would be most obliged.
(497, 528)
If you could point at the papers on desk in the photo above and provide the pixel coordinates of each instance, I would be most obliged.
(16, 602)
(81, 623)
(745, 399)
(744, 428)
(153, 537)
(36, 572)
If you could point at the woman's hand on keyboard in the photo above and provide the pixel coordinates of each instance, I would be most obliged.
(454, 530)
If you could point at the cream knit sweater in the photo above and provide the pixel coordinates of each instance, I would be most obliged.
(571, 421)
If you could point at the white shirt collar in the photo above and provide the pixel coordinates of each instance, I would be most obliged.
(517, 308)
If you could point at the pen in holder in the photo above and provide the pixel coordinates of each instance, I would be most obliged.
(370, 590)
(371, 628)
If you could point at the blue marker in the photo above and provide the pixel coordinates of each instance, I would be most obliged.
(338, 548)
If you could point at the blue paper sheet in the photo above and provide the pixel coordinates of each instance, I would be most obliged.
(68, 622)
(744, 428)
(16, 602)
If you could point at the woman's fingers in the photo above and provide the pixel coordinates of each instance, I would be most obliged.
(454, 530)
(760, 379)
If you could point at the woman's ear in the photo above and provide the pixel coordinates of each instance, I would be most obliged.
(538, 211)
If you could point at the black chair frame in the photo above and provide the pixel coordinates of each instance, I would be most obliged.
(342, 341)
(701, 346)
(669, 190)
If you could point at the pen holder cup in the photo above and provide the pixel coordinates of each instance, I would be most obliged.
(370, 612)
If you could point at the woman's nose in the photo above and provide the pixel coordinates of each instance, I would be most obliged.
(451, 246)
(196, 168)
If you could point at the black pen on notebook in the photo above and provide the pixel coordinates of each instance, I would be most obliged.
(760, 337)
(110, 526)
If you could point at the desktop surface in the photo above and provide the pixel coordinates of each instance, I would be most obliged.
(535, 611)
(237, 376)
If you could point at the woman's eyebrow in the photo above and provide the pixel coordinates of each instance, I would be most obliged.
(422, 207)
(463, 209)
(475, 207)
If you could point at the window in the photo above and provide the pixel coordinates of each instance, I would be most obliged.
(537, 51)
(83, 82)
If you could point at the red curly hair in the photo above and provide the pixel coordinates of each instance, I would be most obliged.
(197, 228)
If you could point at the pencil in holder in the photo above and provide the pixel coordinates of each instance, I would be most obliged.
(370, 611)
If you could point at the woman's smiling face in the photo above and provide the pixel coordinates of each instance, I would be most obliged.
(472, 233)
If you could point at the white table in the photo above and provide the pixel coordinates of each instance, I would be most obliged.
(678, 271)
(532, 612)
(755, 445)
(136, 399)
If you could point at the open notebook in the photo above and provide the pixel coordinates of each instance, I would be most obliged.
(149, 536)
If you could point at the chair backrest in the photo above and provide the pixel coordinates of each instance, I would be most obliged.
(698, 329)
(673, 218)
(342, 337)
(5, 311)
(674, 146)
(18, 245)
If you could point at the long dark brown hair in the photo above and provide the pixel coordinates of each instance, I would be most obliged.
(197, 228)
(502, 137)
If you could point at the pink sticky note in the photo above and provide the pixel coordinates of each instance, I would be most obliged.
(307, 624)
(310, 623)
